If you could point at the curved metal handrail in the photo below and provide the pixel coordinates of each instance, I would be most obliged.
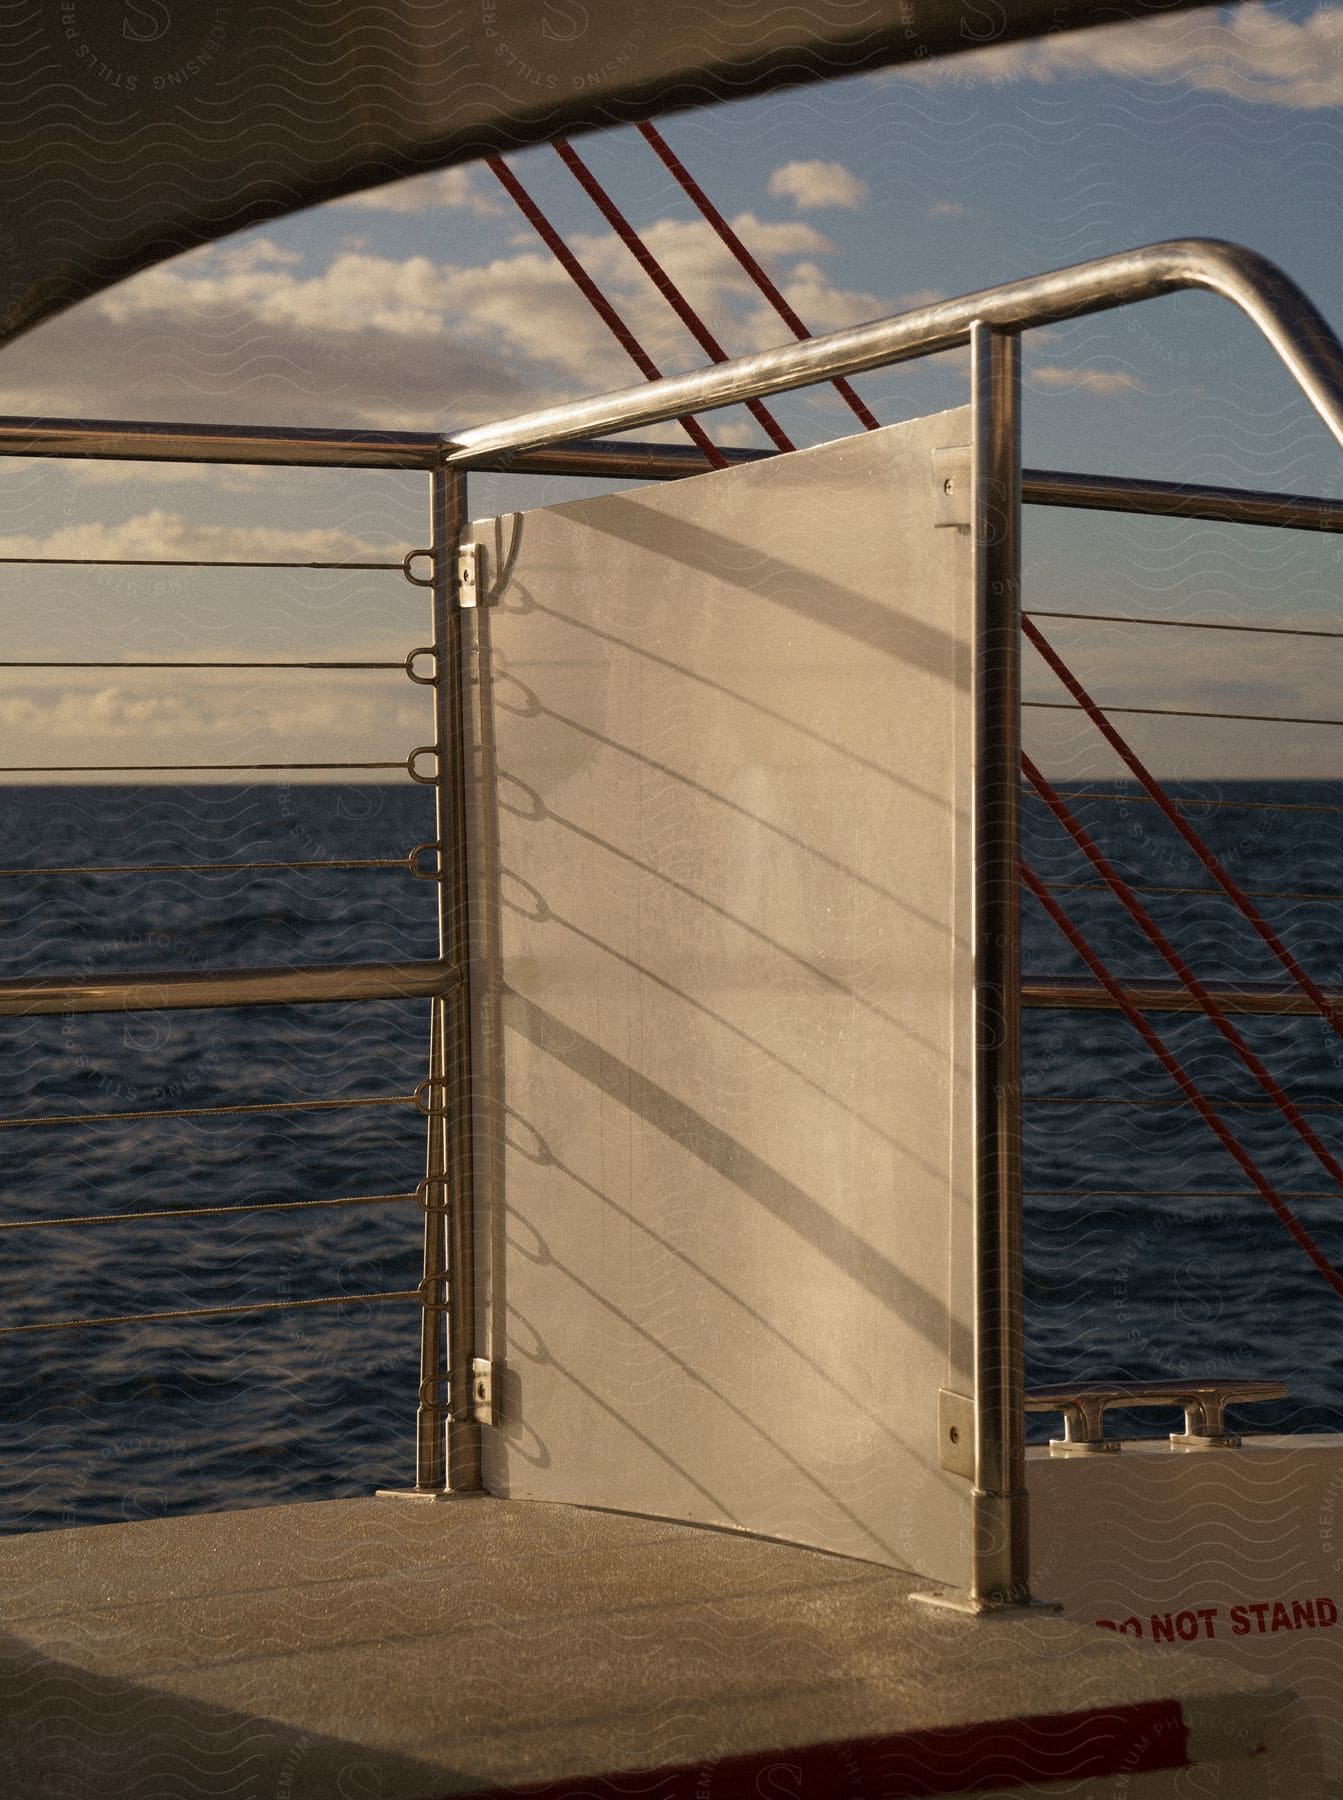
(1299, 334)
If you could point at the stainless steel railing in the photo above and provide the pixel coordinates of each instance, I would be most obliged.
(556, 440)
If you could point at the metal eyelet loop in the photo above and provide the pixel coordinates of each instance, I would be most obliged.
(423, 680)
(416, 865)
(412, 759)
(427, 1298)
(432, 1184)
(424, 581)
(437, 1110)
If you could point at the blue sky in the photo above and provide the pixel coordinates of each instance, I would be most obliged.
(433, 303)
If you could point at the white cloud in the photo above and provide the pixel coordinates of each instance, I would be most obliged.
(226, 716)
(824, 306)
(254, 333)
(446, 190)
(816, 184)
(1092, 381)
(167, 534)
(947, 209)
(256, 253)
(1252, 53)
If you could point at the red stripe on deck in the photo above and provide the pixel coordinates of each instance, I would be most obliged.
(912, 1765)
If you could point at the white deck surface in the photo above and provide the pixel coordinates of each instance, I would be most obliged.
(369, 1648)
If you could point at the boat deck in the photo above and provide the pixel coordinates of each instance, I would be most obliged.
(379, 1648)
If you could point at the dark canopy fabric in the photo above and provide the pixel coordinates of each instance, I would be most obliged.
(133, 129)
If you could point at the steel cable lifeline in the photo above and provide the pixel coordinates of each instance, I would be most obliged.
(1183, 1080)
(199, 1212)
(1113, 798)
(595, 298)
(203, 1112)
(1188, 712)
(1229, 887)
(662, 281)
(1148, 925)
(210, 1312)
(1128, 1100)
(753, 267)
(1045, 612)
(1160, 887)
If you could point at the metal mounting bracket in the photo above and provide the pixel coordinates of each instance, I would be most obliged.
(956, 1433)
(470, 575)
(484, 1408)
(951, 485)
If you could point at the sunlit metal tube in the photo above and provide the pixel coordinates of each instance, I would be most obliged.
(151, 441)
(452, 1013)
(160, 992)
(164, 441)
(1283, 314)
(1180, 500)
(1000, 1567)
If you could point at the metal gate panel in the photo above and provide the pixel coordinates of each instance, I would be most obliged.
(722, 986)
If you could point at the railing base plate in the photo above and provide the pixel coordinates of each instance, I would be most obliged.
(427, 1496)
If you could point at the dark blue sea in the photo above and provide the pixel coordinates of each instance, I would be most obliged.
(1148, 1252)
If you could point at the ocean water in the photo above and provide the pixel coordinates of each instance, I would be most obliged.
(1148, 1254)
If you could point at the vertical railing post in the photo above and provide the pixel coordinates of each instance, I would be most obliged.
(447, 1438)
(453, 1011)
(1000, 1550)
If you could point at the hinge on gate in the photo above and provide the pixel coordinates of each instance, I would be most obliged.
(484, 1409)
(951, 485)
(470, 574)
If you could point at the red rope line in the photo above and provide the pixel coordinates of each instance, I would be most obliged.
(1244, 905)
(661, 280)
(1182, 1080)
(1144, 920)
(712, 217)
(595, 297)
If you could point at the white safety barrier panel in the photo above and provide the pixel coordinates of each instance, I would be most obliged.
(721, 970)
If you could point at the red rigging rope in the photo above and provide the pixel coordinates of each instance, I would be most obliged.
(712, 217)
(1229, 887)
(1148, 925)
(662, 281)
(595, 298)
(1182, 1080)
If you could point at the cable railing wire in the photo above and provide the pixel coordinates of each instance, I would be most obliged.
(194, 663)
(208, 1312)
(1147, 1101)
(1184, 1081)
(758, 274)
(1183, 972)
(1116, 798)
(182, 768)
(1300, 631)
(1172, 1194)
(1136, 767)
(231, 1109)
(201, 1212)
(211, 868)
(1152, 887)
(596, 299)
(662, 281)
(186, 562)
(1186, 712)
